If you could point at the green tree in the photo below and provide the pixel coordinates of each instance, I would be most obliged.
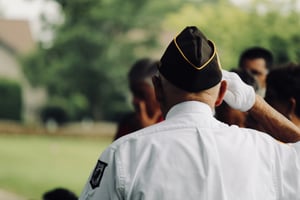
(93, 49)
(11, 100)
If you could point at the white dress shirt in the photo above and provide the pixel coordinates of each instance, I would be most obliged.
(192, 156)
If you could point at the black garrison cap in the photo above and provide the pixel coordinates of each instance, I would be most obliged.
(190, 62)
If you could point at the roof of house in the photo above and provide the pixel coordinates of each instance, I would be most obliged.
(16, 35)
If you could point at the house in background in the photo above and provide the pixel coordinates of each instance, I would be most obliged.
(15, 41)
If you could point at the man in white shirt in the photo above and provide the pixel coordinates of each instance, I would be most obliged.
(191, 155)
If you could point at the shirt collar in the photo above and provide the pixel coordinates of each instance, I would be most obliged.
(189, 107)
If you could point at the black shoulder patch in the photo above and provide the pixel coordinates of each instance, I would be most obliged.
(97, 174)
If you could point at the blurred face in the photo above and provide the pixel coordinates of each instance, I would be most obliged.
(257, 67)
(143, 92)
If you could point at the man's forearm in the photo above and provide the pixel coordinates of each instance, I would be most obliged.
(274, 123)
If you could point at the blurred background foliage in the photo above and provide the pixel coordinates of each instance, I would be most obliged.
(86, 64)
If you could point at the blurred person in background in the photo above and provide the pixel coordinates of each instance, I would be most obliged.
(146, 108)
(283, 91)
(257, 61)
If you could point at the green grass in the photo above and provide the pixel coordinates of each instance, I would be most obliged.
(33, 164)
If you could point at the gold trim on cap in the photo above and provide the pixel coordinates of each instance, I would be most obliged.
(202, 66)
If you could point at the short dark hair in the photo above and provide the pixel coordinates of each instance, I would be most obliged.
(142, 69)
(59, 194)
(257, 52)
(283, 83)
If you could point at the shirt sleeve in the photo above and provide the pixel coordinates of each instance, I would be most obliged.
(288, 171)
(104, 183)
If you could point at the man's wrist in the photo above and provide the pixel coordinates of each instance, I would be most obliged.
(257, 104)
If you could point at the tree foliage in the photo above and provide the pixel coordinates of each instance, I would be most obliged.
(93, 49)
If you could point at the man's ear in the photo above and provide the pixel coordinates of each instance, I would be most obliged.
(222, 91)
(157, 87)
